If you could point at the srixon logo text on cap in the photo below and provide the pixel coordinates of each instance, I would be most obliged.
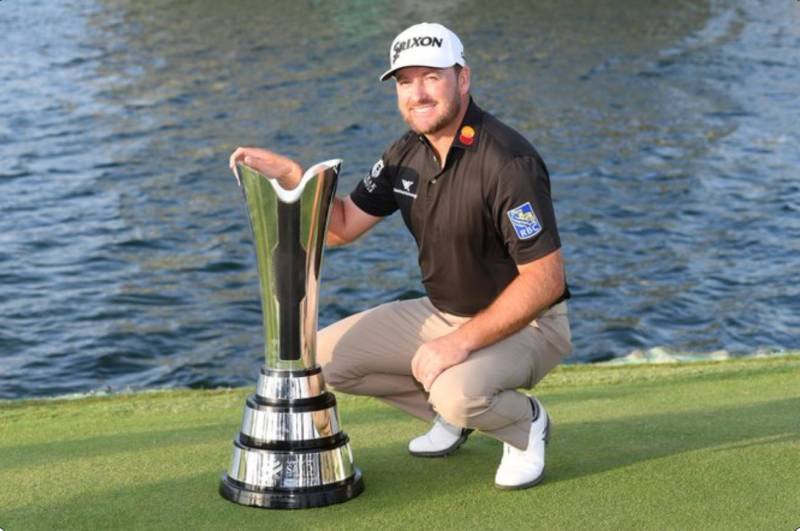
(413, 42)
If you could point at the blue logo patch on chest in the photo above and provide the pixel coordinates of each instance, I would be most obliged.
(524, 221)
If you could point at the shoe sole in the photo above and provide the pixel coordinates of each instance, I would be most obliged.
(447, 451)
(540, 477)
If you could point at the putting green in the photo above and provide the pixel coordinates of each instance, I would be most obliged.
(685, 446)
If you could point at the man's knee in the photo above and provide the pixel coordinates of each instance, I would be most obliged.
(334, 371)
(337, 375)
(456, 404)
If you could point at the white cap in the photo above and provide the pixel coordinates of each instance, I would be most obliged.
(425, 44)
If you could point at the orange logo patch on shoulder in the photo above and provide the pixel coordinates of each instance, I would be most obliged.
(467, 136)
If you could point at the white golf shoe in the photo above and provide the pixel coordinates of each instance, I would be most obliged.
(520, 469)
(442, 439)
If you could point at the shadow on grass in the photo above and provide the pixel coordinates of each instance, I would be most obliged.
(581, 449)
(396, 484)
(587, 448)
(193, 502)
(27, 455)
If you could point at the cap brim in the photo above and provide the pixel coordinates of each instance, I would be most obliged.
(386, 75)
(389, 73)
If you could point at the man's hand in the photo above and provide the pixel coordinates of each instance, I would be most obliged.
(434, 357)
(269, 164)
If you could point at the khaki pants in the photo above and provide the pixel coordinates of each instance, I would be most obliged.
(370, 353)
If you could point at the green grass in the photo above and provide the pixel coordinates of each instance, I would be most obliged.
(689, 446)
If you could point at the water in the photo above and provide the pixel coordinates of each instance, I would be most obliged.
(670, 128)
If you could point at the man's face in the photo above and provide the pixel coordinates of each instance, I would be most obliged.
(429, 99)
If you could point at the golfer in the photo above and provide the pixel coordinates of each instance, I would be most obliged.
(476, 197)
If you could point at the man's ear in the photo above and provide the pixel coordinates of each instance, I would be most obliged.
(464, 78)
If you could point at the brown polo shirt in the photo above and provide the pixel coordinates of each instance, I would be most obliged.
(474, 220)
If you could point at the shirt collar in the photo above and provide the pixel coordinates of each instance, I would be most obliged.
(468, 134)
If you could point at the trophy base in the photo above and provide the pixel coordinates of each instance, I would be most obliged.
(304, 498)
(291, 452)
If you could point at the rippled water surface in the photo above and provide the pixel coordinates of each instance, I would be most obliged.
(670, 129)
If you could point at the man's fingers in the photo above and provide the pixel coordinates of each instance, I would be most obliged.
(415, 364)
(427, 370)
(420, 363)
(237, 154)
(416, 372)
(267, 163)
(430, 378)
(260, 165)
(426, 382)
(232, 165)
(241, 154)
(233, 161)
(269, 166)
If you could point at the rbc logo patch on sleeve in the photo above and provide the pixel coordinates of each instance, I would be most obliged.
(524, 221)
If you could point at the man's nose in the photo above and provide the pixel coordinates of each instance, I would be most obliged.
(417, 90)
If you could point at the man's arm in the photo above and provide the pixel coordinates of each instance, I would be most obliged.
(347, 221)
(538, 285)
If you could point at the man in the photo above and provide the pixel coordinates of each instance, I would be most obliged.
(476, 196)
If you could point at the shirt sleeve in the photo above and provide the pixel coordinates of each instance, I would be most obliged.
(522, 210)
(373, 194)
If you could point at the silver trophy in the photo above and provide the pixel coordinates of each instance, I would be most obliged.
(291, 452)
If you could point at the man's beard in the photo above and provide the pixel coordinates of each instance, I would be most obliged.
(451, 110)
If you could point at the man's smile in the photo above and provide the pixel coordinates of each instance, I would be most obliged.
(424, 108)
